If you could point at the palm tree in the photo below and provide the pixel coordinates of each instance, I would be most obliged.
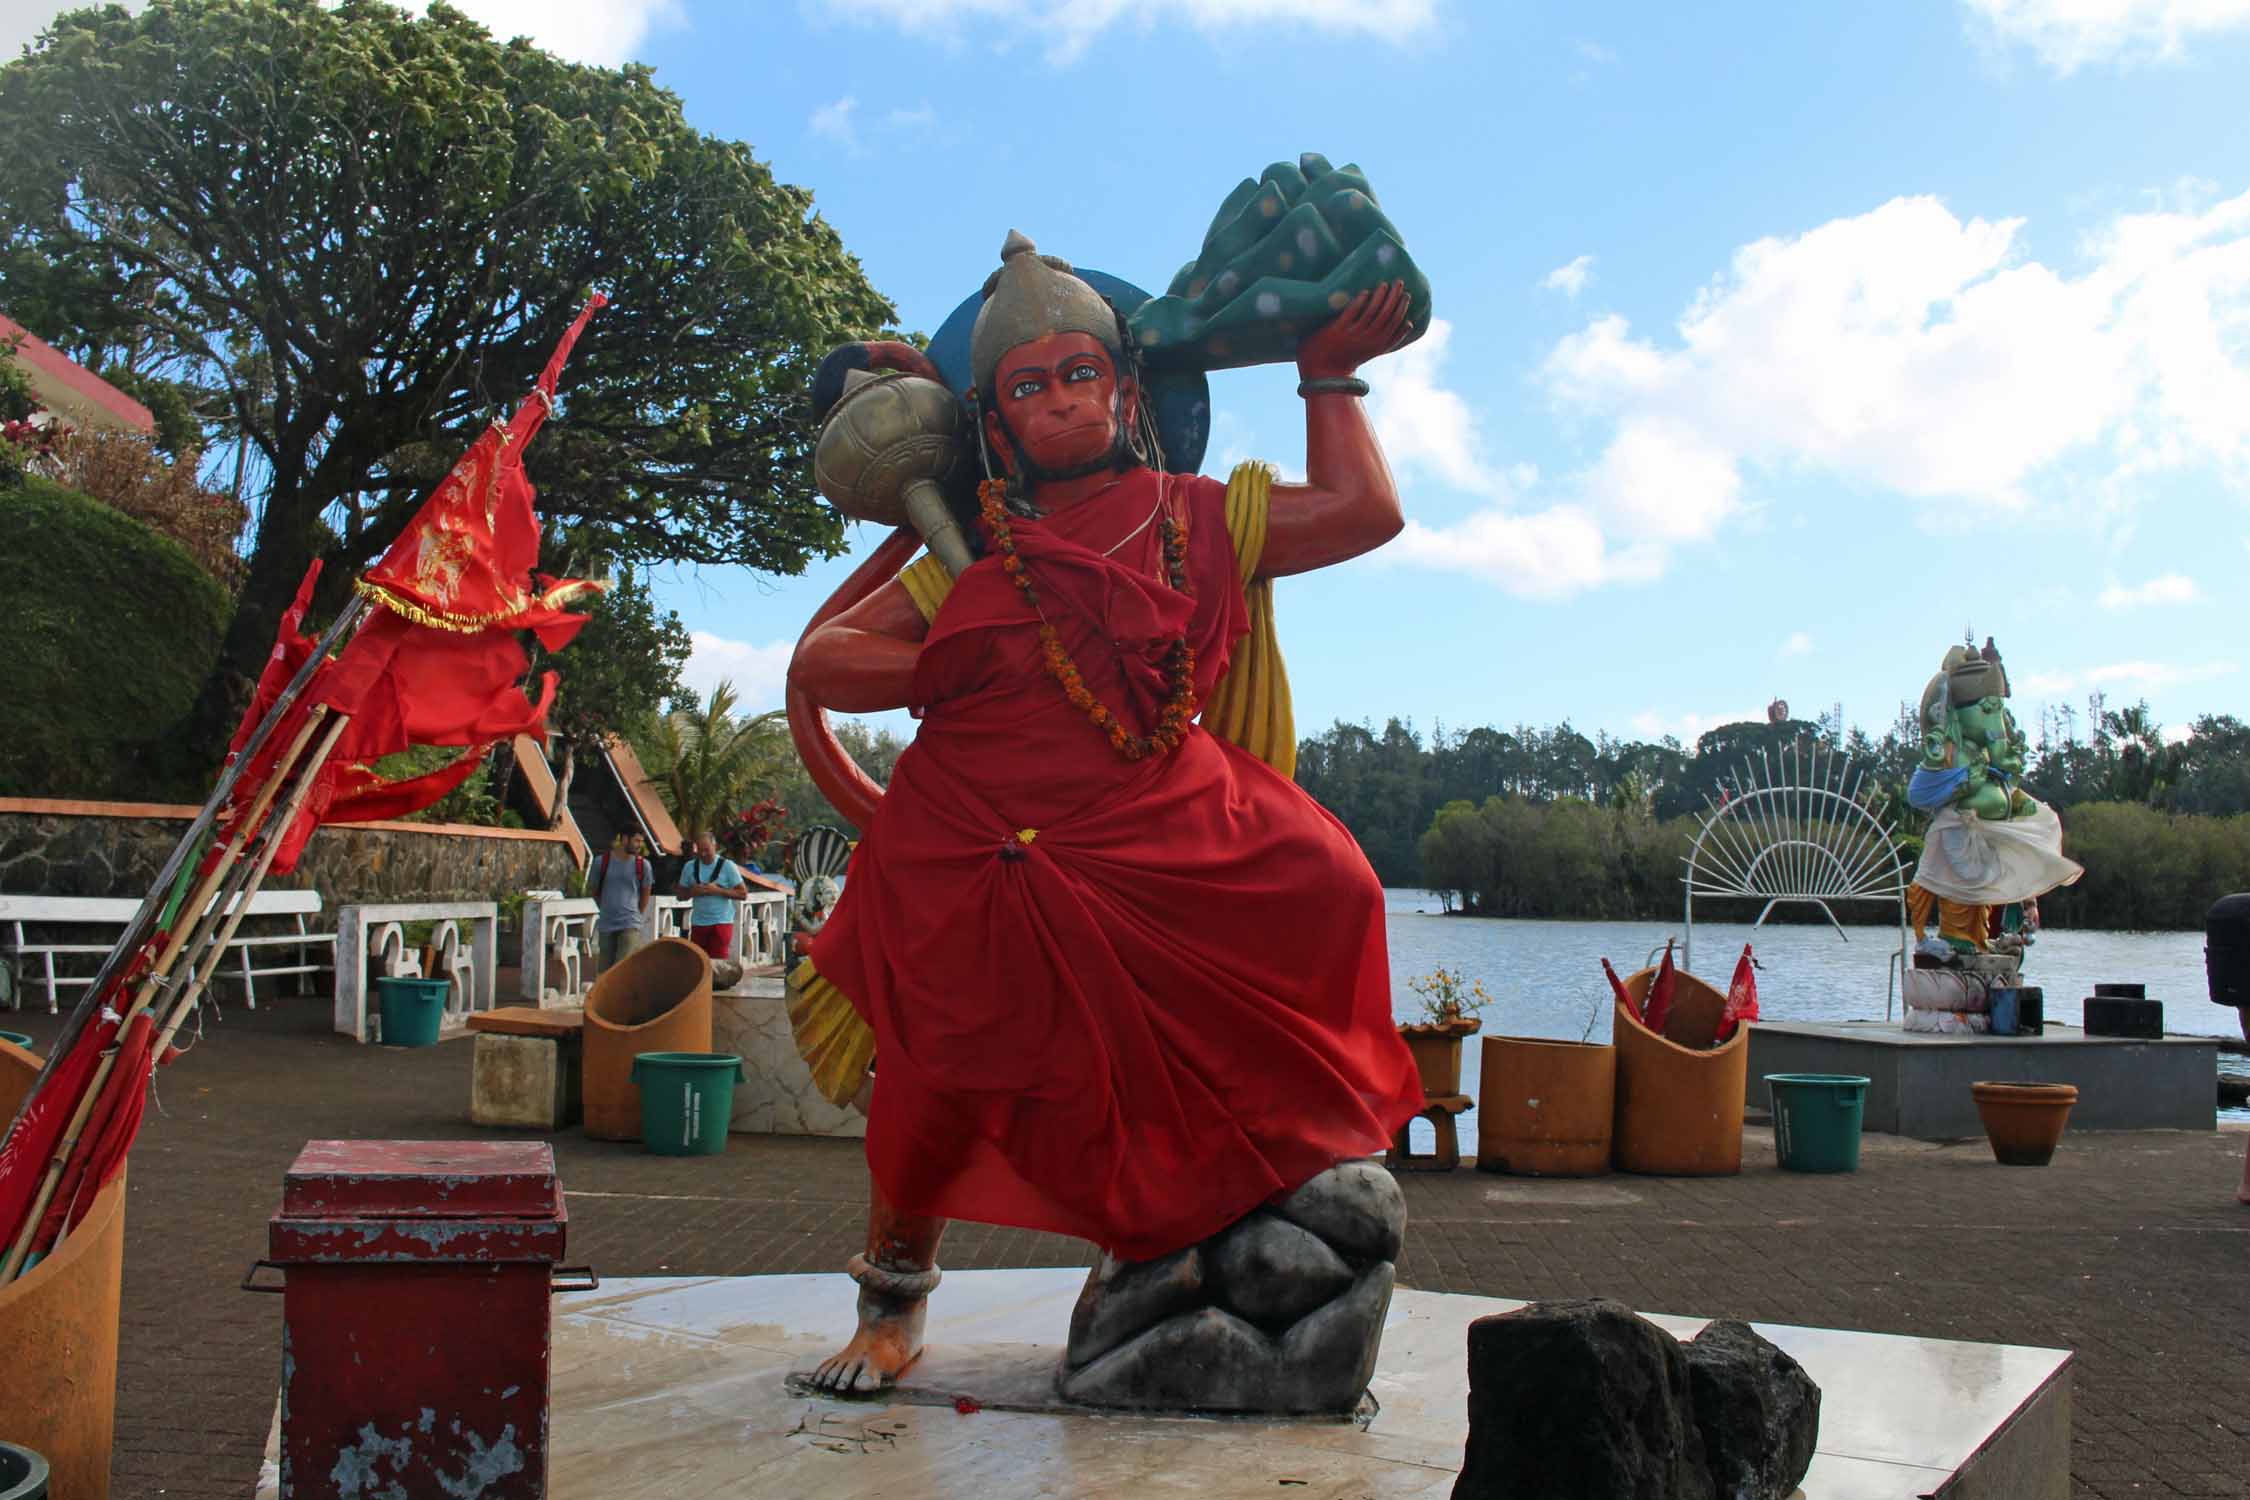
(706, 762)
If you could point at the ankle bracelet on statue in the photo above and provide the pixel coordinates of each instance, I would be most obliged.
(906, 1285)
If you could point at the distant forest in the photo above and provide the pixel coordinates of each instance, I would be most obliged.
(1549, 823)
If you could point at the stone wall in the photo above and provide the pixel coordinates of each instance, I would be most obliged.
(60, 848)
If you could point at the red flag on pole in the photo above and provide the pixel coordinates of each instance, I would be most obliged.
(1742, 996)
(1660, 993)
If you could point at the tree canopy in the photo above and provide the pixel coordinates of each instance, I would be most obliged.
(346, 237)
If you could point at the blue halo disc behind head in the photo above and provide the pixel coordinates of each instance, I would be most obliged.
(1181, 399)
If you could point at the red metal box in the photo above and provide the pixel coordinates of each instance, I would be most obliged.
(415, 1338)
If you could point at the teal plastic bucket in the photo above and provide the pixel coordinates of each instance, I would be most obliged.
(1816, 1118)
(412, 1010)
(23, 1473)
(686, 1100)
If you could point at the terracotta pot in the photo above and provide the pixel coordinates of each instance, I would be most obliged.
(1679, 1109)
(1437, 1053)
(1544, 1108)
(656, 999)
(58, 1332)
(2024, 1121)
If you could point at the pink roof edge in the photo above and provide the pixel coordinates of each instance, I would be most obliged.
(61, 368)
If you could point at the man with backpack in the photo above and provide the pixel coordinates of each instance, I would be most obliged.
(623, 885)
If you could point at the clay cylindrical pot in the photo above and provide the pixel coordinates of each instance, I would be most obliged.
(1437, 1054)
(2024, 1121)
(1544, 1108)
(58, 1332)
(1679, 1109)
(656, 999)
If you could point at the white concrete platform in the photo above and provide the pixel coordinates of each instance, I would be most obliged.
(673, 1389)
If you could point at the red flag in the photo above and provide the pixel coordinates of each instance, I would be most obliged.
(1742, 996)
(1617, 988)
(108, 1135)
(465, 564)
(39, 1130)
(1660, 993)
(439, 662)
(290, 648)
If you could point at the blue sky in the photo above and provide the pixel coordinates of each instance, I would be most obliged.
(1777, 343)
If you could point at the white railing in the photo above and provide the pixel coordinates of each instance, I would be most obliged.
(761, 924)
(374, 932)
(557, 929)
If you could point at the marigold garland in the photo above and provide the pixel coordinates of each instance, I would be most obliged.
(1179, 658)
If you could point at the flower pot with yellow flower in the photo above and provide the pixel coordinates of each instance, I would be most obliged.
(1450, 1003)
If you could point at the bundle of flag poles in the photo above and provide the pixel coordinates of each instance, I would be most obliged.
(425, 653)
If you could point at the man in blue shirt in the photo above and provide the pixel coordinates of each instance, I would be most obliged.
(622, 884)
(715, 885)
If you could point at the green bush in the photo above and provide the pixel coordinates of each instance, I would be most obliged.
(107, 633)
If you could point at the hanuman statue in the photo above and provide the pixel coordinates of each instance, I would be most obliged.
(1099, 967)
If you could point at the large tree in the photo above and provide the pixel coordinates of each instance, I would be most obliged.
(352, 236)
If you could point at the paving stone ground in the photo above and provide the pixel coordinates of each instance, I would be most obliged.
(2129, 1249)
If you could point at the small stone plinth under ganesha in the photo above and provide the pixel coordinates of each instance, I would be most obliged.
(1099, 967)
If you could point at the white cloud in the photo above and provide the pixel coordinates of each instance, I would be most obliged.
(1903, 351)
(1595, 52)
(1688, 727)
(835, 122)
(1569, 280)
(1071, 27)
(2171, 588)
(606, 33)
(2129, 676)
(1798, 644)
(759, 673)
(2068, 34)
(1914, 352)
(2154, 676)
(1424, 425)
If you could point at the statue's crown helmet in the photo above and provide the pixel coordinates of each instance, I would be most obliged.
(1030, 297)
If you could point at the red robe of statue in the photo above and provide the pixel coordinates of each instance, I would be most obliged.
(1122, 1000)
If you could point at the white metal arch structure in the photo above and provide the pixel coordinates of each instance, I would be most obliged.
(1795, 832)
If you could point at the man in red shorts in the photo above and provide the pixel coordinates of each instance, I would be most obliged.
(715, 885)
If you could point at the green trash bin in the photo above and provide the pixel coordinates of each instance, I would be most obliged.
(686, 1100)
(412, 1010)
(1816, 1118)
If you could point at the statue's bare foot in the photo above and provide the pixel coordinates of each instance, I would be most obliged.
(894, 1304)
(875, 1358)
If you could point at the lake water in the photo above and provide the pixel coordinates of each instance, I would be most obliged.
(1545, 978)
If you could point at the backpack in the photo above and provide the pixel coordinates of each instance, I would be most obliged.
(601, 881)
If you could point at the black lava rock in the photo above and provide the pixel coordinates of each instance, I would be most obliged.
(1758, 1411)
(1579, 1400)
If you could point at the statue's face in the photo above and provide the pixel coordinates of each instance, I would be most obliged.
(1059, 396)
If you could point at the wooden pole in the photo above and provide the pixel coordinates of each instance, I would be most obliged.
(239, 907)
(273, 833)
(206, 912)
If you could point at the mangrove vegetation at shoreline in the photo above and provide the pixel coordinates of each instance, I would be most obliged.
(1530, 822)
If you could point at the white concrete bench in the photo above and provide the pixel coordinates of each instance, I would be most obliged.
(245, 950)
(374, 931)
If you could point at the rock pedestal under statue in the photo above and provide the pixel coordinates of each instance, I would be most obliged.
(1280, 1312)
